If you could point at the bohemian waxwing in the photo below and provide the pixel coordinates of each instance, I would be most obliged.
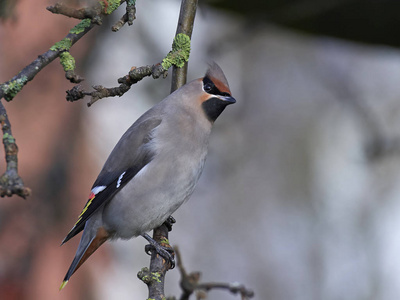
(154, 167)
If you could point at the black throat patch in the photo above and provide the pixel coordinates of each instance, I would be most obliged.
(213, 107)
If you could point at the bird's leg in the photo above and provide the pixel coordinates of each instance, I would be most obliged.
(165, 252)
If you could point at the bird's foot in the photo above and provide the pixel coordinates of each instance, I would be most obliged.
(169, 222)
(167, 252)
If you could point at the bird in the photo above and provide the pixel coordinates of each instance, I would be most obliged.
(153, 169)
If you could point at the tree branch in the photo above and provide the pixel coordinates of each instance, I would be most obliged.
(134, 76)
(190, 283)
(178, 56)
(155, 277)
(185, 26)
(9, 89)
(10, 182)
(92, 12)
(128, 17)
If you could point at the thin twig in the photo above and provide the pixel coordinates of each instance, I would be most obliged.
(185, 26)
(234, 288)
(190, 283)
(9, 89)
(128, 17)
(92, 12)
(177, 57)
(10, 182)
(134, 76)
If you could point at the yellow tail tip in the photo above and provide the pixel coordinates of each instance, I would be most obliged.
(63, 284)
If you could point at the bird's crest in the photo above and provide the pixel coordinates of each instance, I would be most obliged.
(217, 76)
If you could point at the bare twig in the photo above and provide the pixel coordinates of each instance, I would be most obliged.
(234, 288)
(190, 283)
(72, 77)
(128, 17)
(178, 56)
(185, 26)
(92, 12)
(134, 76)
(10, 182)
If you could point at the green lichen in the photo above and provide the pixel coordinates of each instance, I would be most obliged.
(67, 61)
(111, 6)
(179, 54)
(85, 23)
(156, 276)
(64, 44)
(147, 277)
(9, 138)
(164, 241)
(12, 88)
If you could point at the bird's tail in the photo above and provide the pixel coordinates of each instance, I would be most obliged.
(90, 241)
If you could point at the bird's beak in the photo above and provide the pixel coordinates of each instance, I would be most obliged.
(227, 99)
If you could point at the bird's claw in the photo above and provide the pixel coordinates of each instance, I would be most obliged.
(165, 252)
(148, 248)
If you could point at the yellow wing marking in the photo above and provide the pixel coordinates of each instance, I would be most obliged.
(91, 197)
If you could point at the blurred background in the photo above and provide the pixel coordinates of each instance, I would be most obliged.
(299, 198)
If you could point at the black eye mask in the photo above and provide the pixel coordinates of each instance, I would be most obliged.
(210, 88)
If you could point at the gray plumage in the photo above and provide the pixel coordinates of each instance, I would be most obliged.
(154, 167)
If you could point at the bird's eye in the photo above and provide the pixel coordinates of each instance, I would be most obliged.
(208, 87)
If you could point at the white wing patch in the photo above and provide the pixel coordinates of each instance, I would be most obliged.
(119, 179)
(98, 189)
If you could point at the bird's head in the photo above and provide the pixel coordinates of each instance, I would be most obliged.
(215, 95)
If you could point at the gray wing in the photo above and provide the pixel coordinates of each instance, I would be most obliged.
(131, 149)
(128, 157)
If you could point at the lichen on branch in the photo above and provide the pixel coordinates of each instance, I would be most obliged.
(178, 56)
(180, 52)
(10, 182)
(64, 44)
(85, 23)
(110, 5)
(67, 61)
(13, 87)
